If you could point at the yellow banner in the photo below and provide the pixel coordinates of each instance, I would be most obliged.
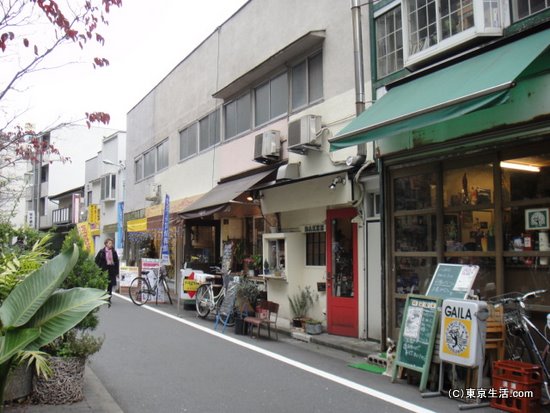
(86, 234)
(190, 285)
(93, 214)
(137, 225)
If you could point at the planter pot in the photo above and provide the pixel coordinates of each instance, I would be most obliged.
(66, 383)
(314, 328)
(19, 384)
(241, 327)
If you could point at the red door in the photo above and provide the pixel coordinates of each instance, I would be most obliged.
(342, 309)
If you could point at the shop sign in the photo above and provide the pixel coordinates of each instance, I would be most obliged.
(460, 332)
(127, 274)
(315, 228)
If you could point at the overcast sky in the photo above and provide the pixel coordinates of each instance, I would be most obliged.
(145, 40)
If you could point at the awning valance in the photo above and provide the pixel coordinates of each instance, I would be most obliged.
(476, 83)
(218, 197)
(137, 225)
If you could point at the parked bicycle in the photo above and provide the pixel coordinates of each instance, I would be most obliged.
(207, 301)
(141, 291)
(522, 334)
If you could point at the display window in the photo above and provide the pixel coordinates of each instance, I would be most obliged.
(490, 210)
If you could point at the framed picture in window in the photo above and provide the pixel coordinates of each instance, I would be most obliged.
(536, 218)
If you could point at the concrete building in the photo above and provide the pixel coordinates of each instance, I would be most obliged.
(105, 177)
(237, 135)
(55, 197)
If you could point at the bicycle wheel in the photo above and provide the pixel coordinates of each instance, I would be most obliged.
(166, 289)
(516, 347)
(139, 291)
(203, 298)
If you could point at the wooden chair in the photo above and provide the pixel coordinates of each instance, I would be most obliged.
(267, 313)
(496, 335)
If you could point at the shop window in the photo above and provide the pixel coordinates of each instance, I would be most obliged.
(413, 275)
(316, 248)
(415, 233)
(414, 192)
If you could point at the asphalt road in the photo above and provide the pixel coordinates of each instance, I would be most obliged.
(154, 362)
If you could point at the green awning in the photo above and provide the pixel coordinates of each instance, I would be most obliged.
(477, 83)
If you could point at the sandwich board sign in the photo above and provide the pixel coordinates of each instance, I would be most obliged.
(417, 336)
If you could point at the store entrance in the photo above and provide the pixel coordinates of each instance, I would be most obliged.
(342, 308)
(202, 244)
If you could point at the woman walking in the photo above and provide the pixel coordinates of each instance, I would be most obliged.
(107, 260)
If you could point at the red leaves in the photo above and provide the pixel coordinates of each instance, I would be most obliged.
(4, 37)
(97, 117)
(26, 42)
(101, 62)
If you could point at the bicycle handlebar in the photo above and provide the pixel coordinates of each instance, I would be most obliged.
(519, 298)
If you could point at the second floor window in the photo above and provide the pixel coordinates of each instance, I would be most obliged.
(389, 42)
(188, 142)
(138, 168)
(108, 187)
(44, 173)
(271, 99)
(162, 155)
(238, 116)
(209, 130)
(149, 163)
(525, 8)
(307, 81)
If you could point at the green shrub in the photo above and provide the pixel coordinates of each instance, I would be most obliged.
(74, 344)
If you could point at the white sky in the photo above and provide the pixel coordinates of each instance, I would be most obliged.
(144, 41)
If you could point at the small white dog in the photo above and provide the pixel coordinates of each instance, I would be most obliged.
(390, 357)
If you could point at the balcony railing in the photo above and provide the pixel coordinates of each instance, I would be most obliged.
(62, 216)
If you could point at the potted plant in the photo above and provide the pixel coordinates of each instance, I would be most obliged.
(245, 302)
(300, 304)
(36, 312)
(313, 326)
(17, 262)
(69, 352)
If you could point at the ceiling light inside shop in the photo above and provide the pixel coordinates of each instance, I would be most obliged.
(519, 166)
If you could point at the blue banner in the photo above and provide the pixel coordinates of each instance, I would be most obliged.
(165, 249)
(119, 242)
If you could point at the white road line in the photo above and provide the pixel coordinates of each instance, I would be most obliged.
(332, 377)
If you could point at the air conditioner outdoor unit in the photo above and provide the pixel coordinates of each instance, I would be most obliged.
(267, 146)
(154, 193)
(303, 134)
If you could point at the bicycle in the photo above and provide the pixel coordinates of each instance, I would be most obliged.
(207, 301)
(140, 290)
(521, 332)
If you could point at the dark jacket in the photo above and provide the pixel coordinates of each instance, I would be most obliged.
(101, 262)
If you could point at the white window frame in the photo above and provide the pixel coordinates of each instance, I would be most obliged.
(394, 52)
(108, 187)
(238, 132)
(271, 116)
(481, 27)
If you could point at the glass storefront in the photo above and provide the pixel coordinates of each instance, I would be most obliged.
(491, 211)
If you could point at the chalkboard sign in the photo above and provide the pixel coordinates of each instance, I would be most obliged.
(227, 258)
(417, 335)
(452, 281)
(228, 303)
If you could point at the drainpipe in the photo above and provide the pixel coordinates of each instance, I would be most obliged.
(358, 57)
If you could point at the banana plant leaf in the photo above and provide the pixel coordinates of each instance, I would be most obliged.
(16, 340)
(64, 310)
(28, 296)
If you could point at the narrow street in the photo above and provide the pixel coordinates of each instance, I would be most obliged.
(153, 361)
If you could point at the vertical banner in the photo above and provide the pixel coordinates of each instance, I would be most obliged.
(119, 227)
(86, 234)
(165, 249)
